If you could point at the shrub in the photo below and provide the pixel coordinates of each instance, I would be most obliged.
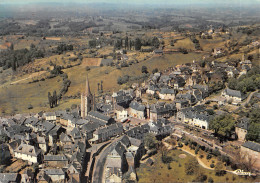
(30, 106)
(212, 165)
(87, 68)
(210, 180)
(209, 156)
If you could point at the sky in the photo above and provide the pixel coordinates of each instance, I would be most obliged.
(138, 1)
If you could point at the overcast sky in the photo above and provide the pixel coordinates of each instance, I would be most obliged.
(139, 1)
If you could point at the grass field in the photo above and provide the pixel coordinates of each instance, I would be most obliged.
(17, 97)
(184, 43)
(160, 172)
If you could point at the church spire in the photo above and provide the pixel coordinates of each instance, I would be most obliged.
(88, 93)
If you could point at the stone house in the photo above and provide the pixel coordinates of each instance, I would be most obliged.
(121, 114)
(43, 145)
(137, 110)
(233, 95)
(241, 129)
(251, 151)
(59, 161)
(10, 177)
(50, 116)
(105, 133)
(56, 175)
(167, 94)
(28, 153)
(157, 111)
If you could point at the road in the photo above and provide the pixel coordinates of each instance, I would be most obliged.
(100, 162)
(249, 98)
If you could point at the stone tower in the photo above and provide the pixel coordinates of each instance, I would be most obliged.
(87, 101)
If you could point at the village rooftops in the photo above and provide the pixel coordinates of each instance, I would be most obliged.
(28, 150)
(54, 172)
(233, 93)
(167, 91)
(137, 106)
(8, 177)
(252, 145)
(55, 158)
(99, 115)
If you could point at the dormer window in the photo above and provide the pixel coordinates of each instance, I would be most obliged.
(30, 150)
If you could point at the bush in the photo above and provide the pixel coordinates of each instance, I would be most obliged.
(212, 165)
(210, 180)
(180, 144)
(30, 106)
(87, 68)
(167, 159)
(209, 156)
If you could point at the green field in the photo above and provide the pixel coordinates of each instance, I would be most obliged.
(160, 172)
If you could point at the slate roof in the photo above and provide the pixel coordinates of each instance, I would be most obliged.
(120, 149)
(167, 91)
(90, 127)
(28, 150)
(64, 138)
(136, 106)
(244, 123)
(252, 145)
(233, 93)
(54, 172)
(99, 115)
(75, 133)
(55, 158)
(8, 177)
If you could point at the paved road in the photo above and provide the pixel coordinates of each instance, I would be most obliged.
(100, 162)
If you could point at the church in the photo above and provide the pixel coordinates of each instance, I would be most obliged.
(87, 101)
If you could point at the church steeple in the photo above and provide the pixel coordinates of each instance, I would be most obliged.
(86, 101)
(88, 92)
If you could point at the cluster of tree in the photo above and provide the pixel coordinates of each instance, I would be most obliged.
(64, 47)
(53, 99)
(247, 82)
(7, 27)
(92, 43)
(65, 84)
(183, 50)
(57, 70)
(16, 58)
(196, 43)
(150, 141)
(223, 126)
(80, 26)
(122, 80)
(126, 78)
(254, 126)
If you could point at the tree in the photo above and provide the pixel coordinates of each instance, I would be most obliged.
(155, 42)
(222, 125)
(144, 69)
(150, 141)
(191, 166)
(126, 43)
(50, 99)
(55, 98)
(253, 132)
(138, 44)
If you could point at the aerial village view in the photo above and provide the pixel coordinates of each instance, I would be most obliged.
(126, 92)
